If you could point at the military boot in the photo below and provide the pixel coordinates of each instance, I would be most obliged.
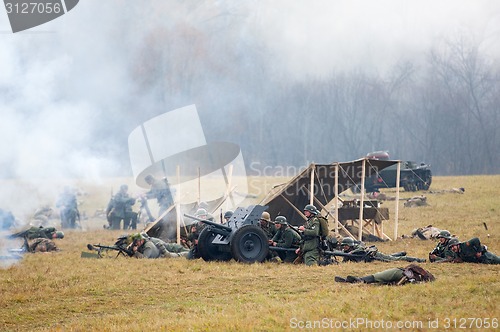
(353, 279)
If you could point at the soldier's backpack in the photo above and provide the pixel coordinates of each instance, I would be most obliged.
(323, 222)
(415, 273)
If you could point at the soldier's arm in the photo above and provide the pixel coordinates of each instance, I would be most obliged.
(313, 231)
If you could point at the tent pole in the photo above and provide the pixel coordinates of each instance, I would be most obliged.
(311, 195)
(361, 202)
(178, 205)
(396, 210)
(336, 211)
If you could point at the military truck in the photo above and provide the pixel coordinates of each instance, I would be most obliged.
(413, 176)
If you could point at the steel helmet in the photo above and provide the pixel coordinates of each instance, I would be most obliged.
(347, 241)
(453, 241)
(280, 220)
(228, 214)
(265, 216)
(200, 212)
(311, 208)
(59, 235)
(444, 234)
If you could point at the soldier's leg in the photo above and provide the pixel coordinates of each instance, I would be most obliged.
(126, 221)
(311, 257)
(133, 220)
(115, 222)
(489, 258)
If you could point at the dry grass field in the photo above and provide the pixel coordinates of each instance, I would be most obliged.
(63, 292)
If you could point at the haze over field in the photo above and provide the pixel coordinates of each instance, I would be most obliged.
(290, 82)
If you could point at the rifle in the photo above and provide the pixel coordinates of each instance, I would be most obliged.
(363, 257)
(102, 250)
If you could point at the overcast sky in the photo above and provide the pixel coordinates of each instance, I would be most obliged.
(62, 80)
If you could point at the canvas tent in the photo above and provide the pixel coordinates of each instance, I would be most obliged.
(319, 184)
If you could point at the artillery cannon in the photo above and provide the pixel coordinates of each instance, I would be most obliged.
(240, 238)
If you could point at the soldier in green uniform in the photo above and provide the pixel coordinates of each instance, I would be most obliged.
(348, 245)
(472, 251)
(285, 237)
(40, 232)
(68, 206)
(310, 236)
(395, 276)
(194, 233)
(267, 225)
(120, 208)
(441, 250)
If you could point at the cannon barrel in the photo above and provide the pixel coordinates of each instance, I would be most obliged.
(217, 226)
(281, 249)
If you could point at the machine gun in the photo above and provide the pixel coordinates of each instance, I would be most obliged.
(120, 246)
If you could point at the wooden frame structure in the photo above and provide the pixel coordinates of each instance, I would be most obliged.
(321, 184)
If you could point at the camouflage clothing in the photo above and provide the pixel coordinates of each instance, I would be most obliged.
(37, 232)
(42, 245)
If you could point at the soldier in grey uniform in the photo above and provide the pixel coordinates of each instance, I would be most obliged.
(310, 236)
(285, 237)
(348, 245)
(120, 208)
(395, 276)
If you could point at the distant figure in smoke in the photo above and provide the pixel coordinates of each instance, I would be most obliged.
(7, 220)
(68, 207)
(120, 208)
(160, 189)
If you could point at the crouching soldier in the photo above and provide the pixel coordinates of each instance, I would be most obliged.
(285, 237)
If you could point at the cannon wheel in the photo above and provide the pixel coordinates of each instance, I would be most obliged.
(209, 251)
(249, 244)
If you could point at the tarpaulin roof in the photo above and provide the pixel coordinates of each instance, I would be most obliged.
(289, 199)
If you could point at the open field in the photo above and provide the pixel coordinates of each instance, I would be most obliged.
(63, 292)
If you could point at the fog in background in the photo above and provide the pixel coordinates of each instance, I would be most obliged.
(291, 82)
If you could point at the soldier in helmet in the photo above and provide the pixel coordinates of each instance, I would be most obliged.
(227, 215)
(472, 251)
(267, 225)
(39, 232)
(68, 206)
(310, 236)
(439, 252)
(395, 276)
(348, 245)
(285, 237)
(120, 208)
(195, 231)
